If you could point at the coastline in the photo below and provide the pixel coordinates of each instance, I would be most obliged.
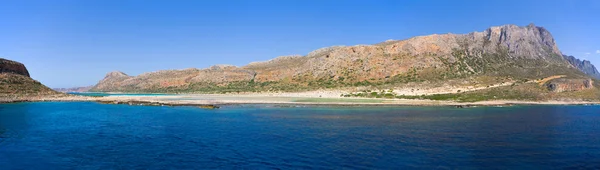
(282, 99)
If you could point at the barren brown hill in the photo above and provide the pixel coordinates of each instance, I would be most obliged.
(497, 55)
(15, 82)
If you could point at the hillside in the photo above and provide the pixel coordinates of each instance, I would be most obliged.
(15, 82)
(423, 65)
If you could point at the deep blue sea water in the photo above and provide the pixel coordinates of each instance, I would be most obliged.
(85, 135)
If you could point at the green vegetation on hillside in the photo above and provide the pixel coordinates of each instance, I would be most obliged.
(488, 68)
(14, 85)
(525, 92)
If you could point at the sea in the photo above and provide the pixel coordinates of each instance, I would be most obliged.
(88, 135)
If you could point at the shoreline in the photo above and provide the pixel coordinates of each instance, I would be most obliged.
(216, 100)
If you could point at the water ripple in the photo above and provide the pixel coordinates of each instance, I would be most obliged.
(94, 136)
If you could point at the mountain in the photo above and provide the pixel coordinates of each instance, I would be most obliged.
(431, 64)
(73, 89)
(16, 83)
(585, 66)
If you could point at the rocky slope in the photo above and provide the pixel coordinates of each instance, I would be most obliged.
(561, 85)
(585, 66)
(498, 55)
(16, 84)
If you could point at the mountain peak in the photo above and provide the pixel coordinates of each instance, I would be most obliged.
(116, 74)
(531, 41)
(222, 66)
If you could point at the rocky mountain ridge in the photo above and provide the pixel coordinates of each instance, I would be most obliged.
(73, 89)
(583, 65)
(501, 54)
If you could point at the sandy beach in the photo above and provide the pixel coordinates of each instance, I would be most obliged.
(281, 98)
(302, 100)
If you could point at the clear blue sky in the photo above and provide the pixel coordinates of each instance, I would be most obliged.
(66, 43)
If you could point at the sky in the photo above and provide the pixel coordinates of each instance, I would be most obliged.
(71, 43)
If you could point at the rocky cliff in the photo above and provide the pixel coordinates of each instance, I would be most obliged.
(496, 55)
(8, 66)
(562, 85)
(585, 66)
(15, 82)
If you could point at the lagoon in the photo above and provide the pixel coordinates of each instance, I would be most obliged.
(101, 94)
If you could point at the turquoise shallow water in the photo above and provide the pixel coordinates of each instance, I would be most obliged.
(84, 135)
(99, 94)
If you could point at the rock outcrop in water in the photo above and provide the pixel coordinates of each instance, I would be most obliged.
(497, 55)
